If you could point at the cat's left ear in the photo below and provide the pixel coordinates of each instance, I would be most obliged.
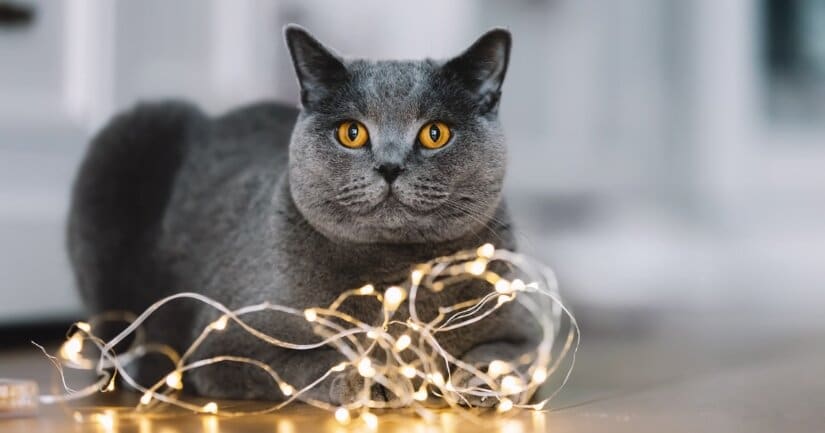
(482, 66)
(317, 67)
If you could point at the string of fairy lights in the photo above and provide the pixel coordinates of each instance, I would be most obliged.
(414, 367)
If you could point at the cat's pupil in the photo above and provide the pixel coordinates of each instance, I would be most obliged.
(434, 133)
(352, 131)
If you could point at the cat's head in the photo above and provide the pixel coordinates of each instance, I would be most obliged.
(398, 151)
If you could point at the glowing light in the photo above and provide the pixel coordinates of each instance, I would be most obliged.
(421, 394)
(393, 297)
(286, 389)
(486, 251)
(220, 324)
(477, 266)
(342, 415)
(365, 368)
(146, 398)
(409, 371)
(498, 367)
(504, 287)
(437, 379)
(111, 386)
(511, 385)
(412, 378)
(71, 349)
(504, 405)
(210, 407)
(539, 375)
(416, 276)
(106, 420)
(370, 420)
(173, 380)
(403, 342)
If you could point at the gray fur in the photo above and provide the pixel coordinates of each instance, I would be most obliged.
(242, 210)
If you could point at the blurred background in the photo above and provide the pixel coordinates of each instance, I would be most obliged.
(667, 157)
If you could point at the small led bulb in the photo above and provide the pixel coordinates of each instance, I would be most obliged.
(310, 314)
(402, 343)
(408, 371)
(504, 287)
(173, 380)
(146, 398)
(368, 289)
(504, 405)
(476, 267)
(511, 385)
(286, 389)
(540, 375)
(220, 324)
(421, 394)
(486, 251)
(365, 368)
(210, 407)
(393, 297)
(498, 367)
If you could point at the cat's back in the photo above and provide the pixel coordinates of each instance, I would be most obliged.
(132, 172)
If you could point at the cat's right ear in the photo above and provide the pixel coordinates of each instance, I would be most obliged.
(317, 67)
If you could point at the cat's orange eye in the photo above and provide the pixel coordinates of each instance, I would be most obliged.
(352, 134)
(434, 135)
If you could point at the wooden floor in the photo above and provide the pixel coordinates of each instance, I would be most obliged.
(671, 376)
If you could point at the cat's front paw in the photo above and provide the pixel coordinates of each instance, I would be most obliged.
(349, 387)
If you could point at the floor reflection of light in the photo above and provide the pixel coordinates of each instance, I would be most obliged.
(512, 426)
(539, 421)
(210, 424)
(145, 425)
(284, 426)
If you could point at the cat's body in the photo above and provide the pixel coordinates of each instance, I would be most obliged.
(170, 200)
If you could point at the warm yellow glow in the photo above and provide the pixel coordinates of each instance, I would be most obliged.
(286, 389)
(486, 251)
(503, 286)
(393, 297)
(173, 380)
(403, 342)
(421, 394)
(106, 420)
(437, 379)
(370, 420)
(342, 415)
(504, 405)
(408, 371)
(476, 267)
(540, 375)
(71, 348)
(416, 276)
(146, 398)
(412, 378)
(498, 367)
(365, 368)
(220, 324)
(210, 407)
(511, 385)
(111, 386)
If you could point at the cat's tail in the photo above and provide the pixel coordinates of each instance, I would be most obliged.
(118, 202)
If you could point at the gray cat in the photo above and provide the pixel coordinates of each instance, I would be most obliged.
(386, 164)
